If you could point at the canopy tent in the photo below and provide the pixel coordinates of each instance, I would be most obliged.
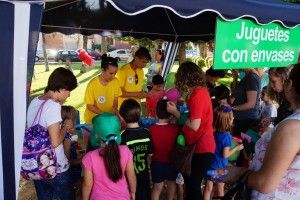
(172, 20)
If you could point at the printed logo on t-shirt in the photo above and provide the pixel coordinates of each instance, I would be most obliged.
(130, 79)
(102, 99)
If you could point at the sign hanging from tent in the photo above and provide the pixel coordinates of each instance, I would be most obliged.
(245, 44)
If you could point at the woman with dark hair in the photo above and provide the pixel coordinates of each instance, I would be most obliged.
(198, 128)
(109, 170)
(60, 83)
(277, 154)
(278, 77)
(102, 92)
(156, 66)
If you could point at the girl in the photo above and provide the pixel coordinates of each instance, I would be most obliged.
(223, 119)
(102, 92)
(109, 170)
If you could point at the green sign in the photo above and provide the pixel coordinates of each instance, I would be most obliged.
(245, 44)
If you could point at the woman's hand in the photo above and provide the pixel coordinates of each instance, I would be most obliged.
(171, 108)
(240, 147)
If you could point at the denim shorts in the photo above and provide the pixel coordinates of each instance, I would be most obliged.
(161, 171)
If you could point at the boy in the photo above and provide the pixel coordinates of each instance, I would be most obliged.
(155, 94)
(138, 140)
(163, 137)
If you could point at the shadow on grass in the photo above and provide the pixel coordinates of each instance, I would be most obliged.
(38, 90)
(89, 78)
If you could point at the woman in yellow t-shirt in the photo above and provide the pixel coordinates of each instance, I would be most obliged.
(102, 92)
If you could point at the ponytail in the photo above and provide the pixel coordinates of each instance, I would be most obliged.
(111, 155)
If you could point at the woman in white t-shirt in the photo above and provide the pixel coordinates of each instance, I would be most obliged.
(60, 83)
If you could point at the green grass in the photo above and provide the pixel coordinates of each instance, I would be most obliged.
(39, 82)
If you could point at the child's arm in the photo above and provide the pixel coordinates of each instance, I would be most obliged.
(87, 184)
(67, 147)
(131, 178)
(227, 151)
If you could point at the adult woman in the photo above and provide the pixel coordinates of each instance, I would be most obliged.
(278, 76)
(246, 103)
(277, 158)
(102, 92)
(155, 67)
(60, 83)
(198, 128)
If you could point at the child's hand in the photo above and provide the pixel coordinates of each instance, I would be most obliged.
(68, 124)
(240, 147)
(171, 107)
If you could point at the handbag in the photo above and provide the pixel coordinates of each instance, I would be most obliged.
(181, 157)
(38, 157)
(239, 190)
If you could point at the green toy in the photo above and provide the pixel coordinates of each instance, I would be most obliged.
(170, 80)
(236, 154)
(104, 125)
(181, 139)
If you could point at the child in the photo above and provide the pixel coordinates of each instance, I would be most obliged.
(223, 119)
(68, 64)
(69, 113)
(138, 141)
(269, 109)
(222, 95)
(163, 137)
(156, 93)
(108, 170)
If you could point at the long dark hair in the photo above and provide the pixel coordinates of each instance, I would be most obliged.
(111, 155)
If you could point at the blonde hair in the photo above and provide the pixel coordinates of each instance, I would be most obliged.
(223, 117)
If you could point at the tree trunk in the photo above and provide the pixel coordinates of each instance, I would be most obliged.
(45, 53)
(85, 41)
(181, 52)
(103, 45)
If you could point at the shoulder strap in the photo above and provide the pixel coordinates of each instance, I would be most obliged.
(39, 112)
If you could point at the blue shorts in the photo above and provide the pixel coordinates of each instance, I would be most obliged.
(161, 171)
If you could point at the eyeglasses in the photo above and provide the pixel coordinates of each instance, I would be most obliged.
(136, 78)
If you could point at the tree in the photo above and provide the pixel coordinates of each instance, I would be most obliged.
(45, 52)
(181, 52)
(83, 66)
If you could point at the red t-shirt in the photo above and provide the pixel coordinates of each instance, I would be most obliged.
(163, 138)
(151, 101)
(200, 106)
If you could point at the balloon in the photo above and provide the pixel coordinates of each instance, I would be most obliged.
(86, 58)
(170, 80)
(181, 139)
(172, 94)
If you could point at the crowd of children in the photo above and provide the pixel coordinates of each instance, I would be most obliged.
(134, 163)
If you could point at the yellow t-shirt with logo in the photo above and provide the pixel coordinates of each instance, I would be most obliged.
(101, 96)
(126, 77)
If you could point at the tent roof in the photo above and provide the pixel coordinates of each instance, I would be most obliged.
(161, 19)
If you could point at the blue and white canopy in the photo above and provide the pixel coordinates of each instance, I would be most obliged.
(171, 20)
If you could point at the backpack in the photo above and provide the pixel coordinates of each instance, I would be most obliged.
(38, 157)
